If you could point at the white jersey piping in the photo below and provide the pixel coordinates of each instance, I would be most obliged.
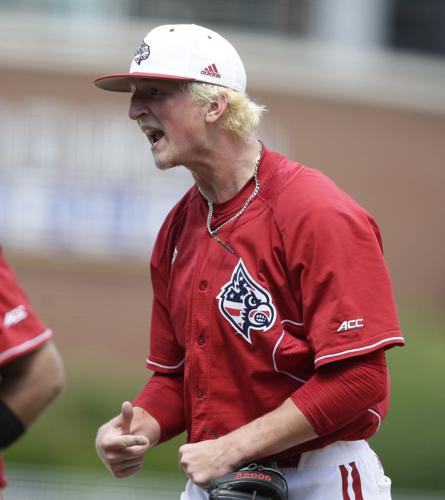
(359, 349)
(275, 364)
(25, 346)
(377, 415)
(292, 322)
(166, 367)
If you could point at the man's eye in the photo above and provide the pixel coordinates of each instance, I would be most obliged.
(155, 92)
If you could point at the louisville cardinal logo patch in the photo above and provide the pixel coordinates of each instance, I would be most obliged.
(141, 53)
(246, 304)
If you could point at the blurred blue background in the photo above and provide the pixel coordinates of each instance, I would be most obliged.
(355, 88)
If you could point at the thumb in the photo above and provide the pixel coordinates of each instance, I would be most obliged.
(126, 416)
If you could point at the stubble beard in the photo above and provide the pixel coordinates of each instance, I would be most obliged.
(164, 164)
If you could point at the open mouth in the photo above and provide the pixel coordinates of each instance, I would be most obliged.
(154, 135)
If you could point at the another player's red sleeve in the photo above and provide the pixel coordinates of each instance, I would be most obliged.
(162, 397)
(3, 481)
(21, 331)
(340, 392)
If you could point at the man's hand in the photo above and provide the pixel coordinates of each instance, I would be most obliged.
(201, 462)
(282, 428)
(119, 447)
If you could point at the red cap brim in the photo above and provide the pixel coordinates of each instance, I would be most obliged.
(122, 82)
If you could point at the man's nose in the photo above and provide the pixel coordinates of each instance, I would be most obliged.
(138, 107)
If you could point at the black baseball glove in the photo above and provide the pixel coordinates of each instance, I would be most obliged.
(253, 482)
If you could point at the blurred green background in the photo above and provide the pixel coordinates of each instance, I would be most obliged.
(354, 88)
(410, 442)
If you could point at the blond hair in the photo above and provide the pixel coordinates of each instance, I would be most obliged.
(242, 116)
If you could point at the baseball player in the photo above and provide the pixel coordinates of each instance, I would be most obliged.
(31, 371)
(272, 305)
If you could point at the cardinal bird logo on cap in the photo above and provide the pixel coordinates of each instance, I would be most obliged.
(142, 53)
(246, 304)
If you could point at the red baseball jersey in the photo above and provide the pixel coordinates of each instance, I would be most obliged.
(299, 282)
(20, 330)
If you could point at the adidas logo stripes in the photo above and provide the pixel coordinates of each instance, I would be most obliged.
(211, 70)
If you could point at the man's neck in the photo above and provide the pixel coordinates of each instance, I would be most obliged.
(228, 171)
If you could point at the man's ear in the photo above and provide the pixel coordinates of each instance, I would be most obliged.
(216, 108)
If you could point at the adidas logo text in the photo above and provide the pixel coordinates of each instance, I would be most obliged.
(211, 71)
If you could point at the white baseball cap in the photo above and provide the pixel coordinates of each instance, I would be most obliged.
(181, 52)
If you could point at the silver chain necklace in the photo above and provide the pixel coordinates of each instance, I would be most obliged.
(256, 190)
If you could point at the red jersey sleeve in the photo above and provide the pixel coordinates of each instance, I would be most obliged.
(21, 331)
(166, 354)
(163, 395)
(163, 398)
(336, 261)
(340, 393)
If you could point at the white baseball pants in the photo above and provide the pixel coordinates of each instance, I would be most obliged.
(346, 470)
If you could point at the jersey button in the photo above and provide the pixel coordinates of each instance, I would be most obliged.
(201, 340)
(203, 285)
(200, 393)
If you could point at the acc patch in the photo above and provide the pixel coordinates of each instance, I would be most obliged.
(142, 53)
(245, 304)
